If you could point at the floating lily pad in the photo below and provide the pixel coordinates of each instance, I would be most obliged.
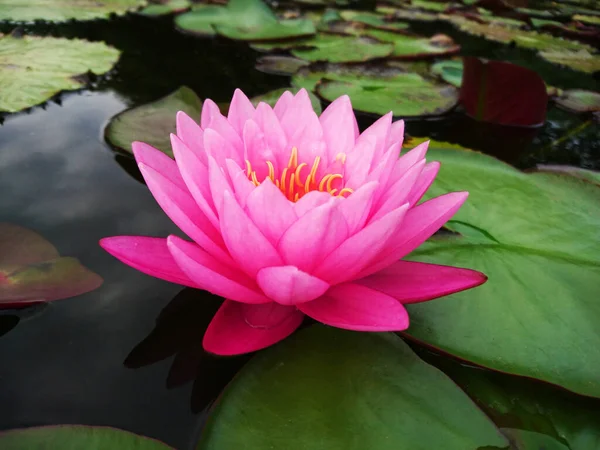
(413, 47)
(280, 65)
(584, 174)
(66, 437)
(581, 60)
(32, 271)
(330, 389)
(407, 14)
(162, 7)
(450, 71)
(33, 69)
(271, 98)
(410, 95)
(337, 48)
(245, 20)
(152, 122)
(61, 10)
(429, 5)
(280, 45)
(537, 238)
(578, 100)
(373, 20)
(589, 20)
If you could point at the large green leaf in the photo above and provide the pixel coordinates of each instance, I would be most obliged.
(373, 20)
(62, 10)
(153, 122)
(162, 7)
(32, 271)
(406, 95)
(584, 174)
(242, 20)
(330, 389)
(578, 100)
(412, 47)
(33, 69)
(537, 237)
(337, 48)
(76, 437)
(581, 60)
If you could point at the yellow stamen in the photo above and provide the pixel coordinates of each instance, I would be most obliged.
(254, 179)
(283, 176)
(332, 178)
(271, 170)
(341, 157)
(291, 188)
(323, 181)
(293, 162)
(297, 174)
(345, 191)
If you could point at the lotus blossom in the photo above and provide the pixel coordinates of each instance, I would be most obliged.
(292, 214)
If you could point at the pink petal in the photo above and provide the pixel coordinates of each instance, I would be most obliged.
(238, 328)
(256, 150)
(313, 236)
(408, 160)
(214, 120)
(157, 160)
(357, 207)
(240, 110)
(398, 193)
(148, 255)
(210, 110)
(340, 129)
(220, 149)
(210, 275)
(355, 307)
(283, 104)
(396, 135)
(423, 182)
(382, 171)
(411, 282)
(298, 115)
(419, 225)
(287, 285)
(270, 211)
(379, 132)
(358, 162)
(311, 201)
(181, 208)
(218, 182)
(195, 176)
(242, 186)
(346, 261)
(268, 122)
(248, 246)
(192, 135)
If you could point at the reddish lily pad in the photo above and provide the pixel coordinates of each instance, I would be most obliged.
(537, 238)
(578, 100)
(76, 437)
(503, 93)
(152, 122)
(32, 271)
(337, 48)
(349, 391)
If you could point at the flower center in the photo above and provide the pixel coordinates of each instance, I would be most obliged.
(291, 182)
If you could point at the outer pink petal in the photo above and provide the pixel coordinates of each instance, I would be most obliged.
(396, 135)
(355, 307)
(248, 246)
(256, 150)
(219, 183)
(242, 186)
(239, 328)
(220, 149)
(160, 162)
(340, 129)
(398, 193)
(191, 134)
(411, 282)
(287, 285)
(283, 104)
(408, 160)
(419, 225)
(313, 236)
(210, 275)
(148, 255)
(195, 175)
(215, 121)
(181, 208)
(423, 182)
(346, 261)
(210, 110)
(268, 122)
(270, 211)
(357, 207)
(379, 131)
(359, 161)
(240, 110)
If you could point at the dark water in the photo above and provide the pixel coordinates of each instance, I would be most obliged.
(72, 362)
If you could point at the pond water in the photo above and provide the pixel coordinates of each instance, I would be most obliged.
(71, 361)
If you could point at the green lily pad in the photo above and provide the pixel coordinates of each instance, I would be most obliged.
(163, 7)
(429, 6)
(32, 271)
(271, 98)
(280, 65)
(534, 415)
(589, 20)
(407, 95)
(407, 14)
(539, 23)
(450, 71)
(153, 122)
(413, 47)
(245, 20)
(581, 60)
(61, 10)
(33, 69)
(373, 20)
(76, 437)
(584, 174)
(537, 237)
(578, 100)
(330, 389)
(336, 48)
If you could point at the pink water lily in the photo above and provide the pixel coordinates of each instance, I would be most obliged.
(292, 214)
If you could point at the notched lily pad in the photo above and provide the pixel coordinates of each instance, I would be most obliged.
(280, 65)
(61, 10)
(153, 122)
(373, 20)
(33, 69)
(337, 48)
(450, 71)
(391, 399)
(32, 271)
(76, 437)
(578, 100)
